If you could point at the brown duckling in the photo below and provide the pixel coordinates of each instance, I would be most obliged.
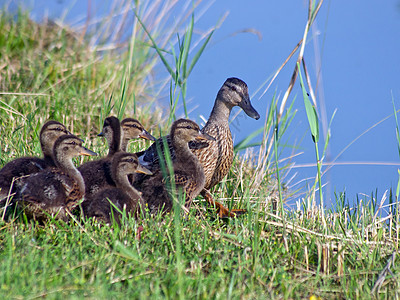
(124, 195)
(133, 129)
(56, 190)
(188, 172)
(23, 166)
(215, 156)
(97, 174)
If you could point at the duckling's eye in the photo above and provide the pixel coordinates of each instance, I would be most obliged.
(189, 127)
(233, 88)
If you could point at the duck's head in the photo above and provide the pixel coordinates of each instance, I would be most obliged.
(133, 129)
(69, 146)
(234, 92)
(112, 132)
(185, 131)
(49, 133)
(125, 163)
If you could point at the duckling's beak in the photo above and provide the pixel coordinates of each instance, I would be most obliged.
(143, 170)
(87, 152)
(245, 104)
(204, 136)
(147, 136)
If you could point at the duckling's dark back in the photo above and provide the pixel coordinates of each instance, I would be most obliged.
(25, 166)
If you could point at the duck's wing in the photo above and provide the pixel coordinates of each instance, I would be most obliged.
(150, 157)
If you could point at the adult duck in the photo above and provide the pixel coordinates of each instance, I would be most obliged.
(215, 156)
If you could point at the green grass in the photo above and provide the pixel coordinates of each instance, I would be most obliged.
(183, 256)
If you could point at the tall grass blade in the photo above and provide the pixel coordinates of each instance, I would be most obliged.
(310, 110)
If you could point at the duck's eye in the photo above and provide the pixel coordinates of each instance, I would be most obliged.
(189, 127)
(233, 88)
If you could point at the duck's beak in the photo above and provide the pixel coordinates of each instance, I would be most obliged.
(87, 152)
(143, 170)
(245, 104)
(147, 136)
(204, 136)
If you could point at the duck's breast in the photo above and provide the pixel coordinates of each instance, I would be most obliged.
(217, 158)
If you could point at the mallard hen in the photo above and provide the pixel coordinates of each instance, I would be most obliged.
(188, 172)
(124, 195)
(56, 190)
(23, 166)
(216, 156)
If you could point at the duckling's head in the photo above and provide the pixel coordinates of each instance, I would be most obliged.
(234, 92)
(133, 129)
(112, 132)
(124, 163)
(49, 133)
(69, 146)
(184, 131)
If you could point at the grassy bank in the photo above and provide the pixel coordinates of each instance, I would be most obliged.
(349, 252)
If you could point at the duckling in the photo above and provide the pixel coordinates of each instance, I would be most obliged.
(23, 166)
(188, 172)
(56, 190)
(133, 129)
(215, 156)
(124, 195)
(97, 174)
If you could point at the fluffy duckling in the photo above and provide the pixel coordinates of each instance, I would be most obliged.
(188, 172)
(215, 156)
(133, 129)
(56, 190)
(23, 166)
(97, 174)
(124, 195)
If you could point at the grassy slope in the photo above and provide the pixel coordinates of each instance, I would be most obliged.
(56, 76)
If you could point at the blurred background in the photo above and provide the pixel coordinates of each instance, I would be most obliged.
(352, 55)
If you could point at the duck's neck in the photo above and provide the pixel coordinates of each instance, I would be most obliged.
(220, 112)
(115, 142)
(122, 182)
(124, 144)
(67, 166)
